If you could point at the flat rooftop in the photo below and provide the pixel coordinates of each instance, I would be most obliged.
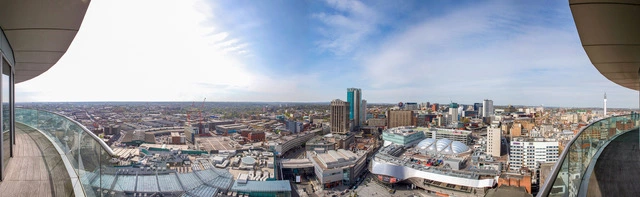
(402, 130)
(215, 143)
(263, 186)
(166, 146)
(447, 131)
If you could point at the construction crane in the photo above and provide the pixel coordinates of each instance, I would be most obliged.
(200, 114)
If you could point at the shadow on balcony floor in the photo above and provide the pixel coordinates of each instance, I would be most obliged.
(617, 171)
(36, 168)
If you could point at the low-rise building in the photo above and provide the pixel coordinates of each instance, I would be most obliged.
(405, 136)
(135, 138)
(230, 128)
(452, 134)
(437, 174)
(530, 152)
(177, 138)
(262, 188)
(320, 144)
(256, 136)
(341, 167)
(214, 123)
(516, 180)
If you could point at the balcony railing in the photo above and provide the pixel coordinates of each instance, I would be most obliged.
(84, 154)
(568, 176)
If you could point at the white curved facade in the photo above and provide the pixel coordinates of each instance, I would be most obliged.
(403, 173)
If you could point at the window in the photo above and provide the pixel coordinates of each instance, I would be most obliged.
(7, 104)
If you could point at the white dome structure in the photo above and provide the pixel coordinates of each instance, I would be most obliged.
(441, 146)
(425, 143)
(458, 147)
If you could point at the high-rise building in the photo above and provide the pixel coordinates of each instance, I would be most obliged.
(494, 134)
(477, 107)
(354, 97)
(487, 108)
(363, 112)
(339, 116)
(453, 111)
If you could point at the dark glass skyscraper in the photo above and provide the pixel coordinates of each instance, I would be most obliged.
(354, 97)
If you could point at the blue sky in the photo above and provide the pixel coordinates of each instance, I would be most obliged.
(523, 53)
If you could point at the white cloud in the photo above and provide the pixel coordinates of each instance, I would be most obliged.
(486, 51)
(151, 51)
(345, 30)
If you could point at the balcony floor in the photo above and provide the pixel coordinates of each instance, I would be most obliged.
(36, 168)
(617, 170)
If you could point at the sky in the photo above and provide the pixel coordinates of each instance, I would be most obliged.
(519, 53)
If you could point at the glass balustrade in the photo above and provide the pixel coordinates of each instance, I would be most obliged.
(87, 154)
(569, 172)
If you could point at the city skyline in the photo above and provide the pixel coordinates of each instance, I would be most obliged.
(513, 53)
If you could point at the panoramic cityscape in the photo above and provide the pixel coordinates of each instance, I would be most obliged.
(337, 98)
(346, 147)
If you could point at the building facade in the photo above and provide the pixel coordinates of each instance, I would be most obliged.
(487, 108)
(405, 136)
(339, 116)
(493, 141)
(256, 136)
(453, 112)
(377, 122)
(294, 126)
(398, 118)
(529, 153)
(341, 167)
(354, 98)
(452, 134)
(363, 113)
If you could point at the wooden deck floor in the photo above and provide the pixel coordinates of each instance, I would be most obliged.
(36, 168)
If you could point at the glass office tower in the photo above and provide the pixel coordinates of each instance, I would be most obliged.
(354, 97)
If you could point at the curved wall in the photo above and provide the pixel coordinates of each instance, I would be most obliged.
(403, 173)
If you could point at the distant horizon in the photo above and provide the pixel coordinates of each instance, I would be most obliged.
(299, 102)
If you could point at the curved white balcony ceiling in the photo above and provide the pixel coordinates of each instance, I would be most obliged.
(610, 34)
(40, 32)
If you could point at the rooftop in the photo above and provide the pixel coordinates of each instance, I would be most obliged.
(448, 131)
(442, 146)
(401, 130)
(332, 158)
(262, 186)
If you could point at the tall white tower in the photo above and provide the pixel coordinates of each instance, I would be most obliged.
(605, 104)
(494, 134)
